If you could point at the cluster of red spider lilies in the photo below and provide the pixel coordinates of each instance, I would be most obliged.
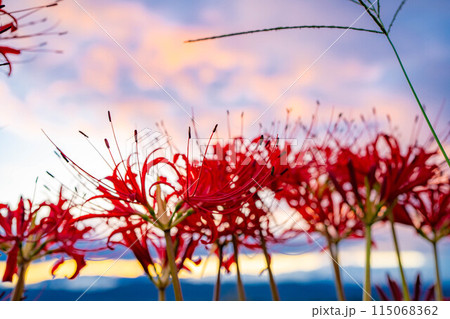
(164, 207)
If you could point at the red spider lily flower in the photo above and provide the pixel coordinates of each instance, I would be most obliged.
(397, 295)
(401, 214)
(290, 173)
(323, 210)
(149, 247)
(404, 172)
(354, 177)
(372, 179)
(5, 51)
(9, 32)
(432, 211)
(226, 184)
(28, 233)
(431, 218)
(228, 179)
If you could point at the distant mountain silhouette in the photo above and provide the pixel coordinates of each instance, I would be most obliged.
(139, 289)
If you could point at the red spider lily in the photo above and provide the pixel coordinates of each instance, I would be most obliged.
(404, 172)
(242, 228)
(397, 295)
(228, 179)
(401, 174)
(11, 27)
(149, 247)
(5, 51)
(291, 172)
(9, 32)
(431, 219)
(432, 207)
(305, 187)
(27, 234)
(353, 175)
(370, 181)
(226, 184)
(324, 212)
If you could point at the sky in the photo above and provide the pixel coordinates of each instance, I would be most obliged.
(129, 57)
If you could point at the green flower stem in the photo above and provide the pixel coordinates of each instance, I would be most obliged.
(367, 286)
(334, 254)
(406, 296)
(173, 266)
(162, 294)
(217, 286)
(438, 285)
(19, 289)
(273, 285)
(240, 285)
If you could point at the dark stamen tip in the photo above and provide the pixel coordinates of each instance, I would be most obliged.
(107, 143)
(135, 136)
(64, 157)
(82, 133)
(189, 132)
(51, 175)
(109, 116)
(215, 128)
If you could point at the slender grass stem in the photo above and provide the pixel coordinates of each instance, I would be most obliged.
(367, 285)
(240, 285)
(217, 286)
(162, 294)
(19, 289)
(283, 28)
(422, 109)
(334, 253)
(173, 266)
(438, 285)
(273, 285)
(406, 296)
